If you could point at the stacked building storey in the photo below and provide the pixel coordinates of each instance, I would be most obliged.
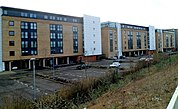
(52, 39)
(119, 39)
(55, 39)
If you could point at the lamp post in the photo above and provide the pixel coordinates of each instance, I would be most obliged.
(148, 57)
(34, 83)
(85, 64)
(53, 67)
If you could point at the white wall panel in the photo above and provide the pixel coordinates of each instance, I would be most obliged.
(152, 38)
(1, 63)
(92, 35)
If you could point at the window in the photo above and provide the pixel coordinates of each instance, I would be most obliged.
(59, 27)
(111, 40)
(11, 33)
(24, 25)
(11, 43)
(45, 17)
(51, 17)
(33, 25)
(11, 23)
(53, 44)
(29, 38)
(11, 53)
(24, 14)
(171, 42)
(33, 35)
(26, 44)
(167, 42)
(75, 39)
(53, 27)
(75, 36)
(5, 12)
(33, 52)
(56, 38)
(32, 15)
(52, 35)
(59, 35)
(145, 40)
(24, 34)
(33, 44)
(74, 20)
(74, 29)
(138, 40)
(65, 19)
(115, 48)
(130, 40)
(23, 44)
(59, 43)
(54, 18)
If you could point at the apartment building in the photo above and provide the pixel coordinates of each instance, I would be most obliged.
(159, 40)
(176, 39)
(52, 39)
(128, 40)
(169, 40)
(166, 40)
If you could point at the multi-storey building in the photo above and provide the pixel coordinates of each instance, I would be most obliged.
(52, 39)
(165, 40)
(126, 39)
(169, 40)
(159, 40)
(176, 39)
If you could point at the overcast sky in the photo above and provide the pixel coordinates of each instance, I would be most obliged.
(159, 13)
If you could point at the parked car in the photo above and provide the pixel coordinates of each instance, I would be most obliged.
(82, 66)
(142, 59)
(115, 64)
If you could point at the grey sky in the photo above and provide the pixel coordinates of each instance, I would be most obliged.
(159, 13)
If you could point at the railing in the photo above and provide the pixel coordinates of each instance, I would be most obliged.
(173, 104)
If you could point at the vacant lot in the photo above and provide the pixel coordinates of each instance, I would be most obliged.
(50, 80)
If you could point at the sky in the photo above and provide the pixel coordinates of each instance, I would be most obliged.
(162, 14)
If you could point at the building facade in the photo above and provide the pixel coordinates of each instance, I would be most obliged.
(166, 40)
(128, 40)
(52, 39)
(169, 40)
(159, 40)
(92, 36)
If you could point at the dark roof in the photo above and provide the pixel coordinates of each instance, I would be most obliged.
(26, 10)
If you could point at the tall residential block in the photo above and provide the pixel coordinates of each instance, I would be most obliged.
(92, 35)
(119, 39)
(53, 39)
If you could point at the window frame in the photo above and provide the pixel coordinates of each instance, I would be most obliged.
(11, 43)
(13, 33)
(11, 22)
(11, 53)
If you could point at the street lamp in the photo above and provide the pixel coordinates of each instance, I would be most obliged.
(34, 84)
(53, 67)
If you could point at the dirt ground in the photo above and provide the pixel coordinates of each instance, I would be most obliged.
(151, 92)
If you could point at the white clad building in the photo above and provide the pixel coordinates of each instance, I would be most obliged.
(92, 35)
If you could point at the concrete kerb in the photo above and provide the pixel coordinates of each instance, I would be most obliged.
(7, 72)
